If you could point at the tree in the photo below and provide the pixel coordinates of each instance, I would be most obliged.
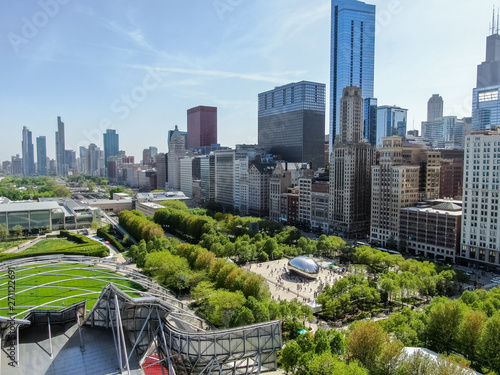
(4, 231)
(117, 189)
(221, 306)
(489, 345)
(170, 270)
(95, 225)
(366, 343)
(444, 318)
(17, 230)
(242, 317)
(290, 356)
(469, 333)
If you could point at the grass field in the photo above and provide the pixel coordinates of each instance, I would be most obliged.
(10, 244)
(66, 282)
(50, 244)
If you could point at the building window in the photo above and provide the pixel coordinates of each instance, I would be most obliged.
(488, 96)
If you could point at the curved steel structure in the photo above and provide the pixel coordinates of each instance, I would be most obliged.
(160, 324)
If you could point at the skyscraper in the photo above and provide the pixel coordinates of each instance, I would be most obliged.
(60, 148)
(352, 54)
(434, 108)
(41, 155)
(201, 126)
(93, 159)
(485, 97)
(370, 121)
(111, 144)
(480, 234)
(161, 169)
(391, 121)
(350, 170)
(27, 154)
(292, 122)
(176, 151)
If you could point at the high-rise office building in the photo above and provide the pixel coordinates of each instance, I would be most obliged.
(17, 165)
(93, 159)
(207, 177)
(406, 174)
(41, 155)
(111, 144)
(391, 121)
(224, 177)
(201, 126)
(176, 151)
(485, 97)
(61, 167)
(480, 227)
(350, 171)
(70, 159)
(370, 121)
(352, 54)
(84, 160)
(161, 169)
(434, 107)
(292, 122)
(27, 154)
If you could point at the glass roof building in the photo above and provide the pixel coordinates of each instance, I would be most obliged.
(304, 267)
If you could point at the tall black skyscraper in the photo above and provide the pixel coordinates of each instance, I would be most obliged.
(27, 154)
(60, 148)
(292, 122)
(41, 155)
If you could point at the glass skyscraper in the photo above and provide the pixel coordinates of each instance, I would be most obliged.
(391, 121)
(352, 54)
(28, 156)
(111, 144)
(41, 155)
(485, 97)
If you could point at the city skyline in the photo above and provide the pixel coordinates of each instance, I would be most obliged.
(250, 46)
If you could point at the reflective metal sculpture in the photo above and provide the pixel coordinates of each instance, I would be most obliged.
(304, 267)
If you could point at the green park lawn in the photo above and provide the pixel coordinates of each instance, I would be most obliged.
(62, 292)
(10, 244)
(50, 244)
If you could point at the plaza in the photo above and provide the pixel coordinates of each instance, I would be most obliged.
(284, 285)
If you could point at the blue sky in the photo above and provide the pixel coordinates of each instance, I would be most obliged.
(138, 66)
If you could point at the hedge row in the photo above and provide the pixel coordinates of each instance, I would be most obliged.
(104, 234)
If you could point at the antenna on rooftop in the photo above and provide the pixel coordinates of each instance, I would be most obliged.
(498, 20)
(493, 22)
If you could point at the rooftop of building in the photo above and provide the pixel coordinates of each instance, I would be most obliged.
(28, 206)
(152, 205)
(443, 208)
(161, 196)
